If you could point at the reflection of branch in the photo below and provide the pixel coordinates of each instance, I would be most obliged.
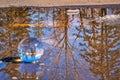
(66, 51)
(51, 50)
(76, 38)
(81, 26)
(59, 58)
(54, 35)
(54, 24)
(73, 60)
(59, 42)
(76, 61)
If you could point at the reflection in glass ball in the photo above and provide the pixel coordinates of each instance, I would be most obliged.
(30, 49)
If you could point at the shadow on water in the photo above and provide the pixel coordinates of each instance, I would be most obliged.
(79, 44)
(12, 59)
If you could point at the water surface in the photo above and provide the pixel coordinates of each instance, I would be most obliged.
(79, 45)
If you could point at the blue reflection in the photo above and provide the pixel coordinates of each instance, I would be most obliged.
(30, 68)
(2, 64)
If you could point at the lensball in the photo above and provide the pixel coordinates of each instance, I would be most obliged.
(30, 49)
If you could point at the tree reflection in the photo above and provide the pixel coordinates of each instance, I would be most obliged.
(103, 54)
(10, 36)
(65, 63)
(97, 43)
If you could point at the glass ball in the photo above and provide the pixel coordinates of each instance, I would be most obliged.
(30, 49)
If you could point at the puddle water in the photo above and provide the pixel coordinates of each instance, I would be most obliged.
(79, 44)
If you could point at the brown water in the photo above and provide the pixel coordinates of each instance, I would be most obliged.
(79, 45)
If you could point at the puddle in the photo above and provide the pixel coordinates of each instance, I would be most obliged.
(79, 44)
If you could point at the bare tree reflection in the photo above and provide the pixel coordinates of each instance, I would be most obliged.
(9, 39)
(65, 60)
(97, 43)
(103, 54)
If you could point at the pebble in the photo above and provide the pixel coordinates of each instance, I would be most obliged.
(14, 78)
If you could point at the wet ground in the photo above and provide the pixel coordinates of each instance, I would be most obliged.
(79, 44)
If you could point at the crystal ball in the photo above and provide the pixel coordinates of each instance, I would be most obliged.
(30, 49)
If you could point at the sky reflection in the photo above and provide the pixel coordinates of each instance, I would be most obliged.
(77, 46)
